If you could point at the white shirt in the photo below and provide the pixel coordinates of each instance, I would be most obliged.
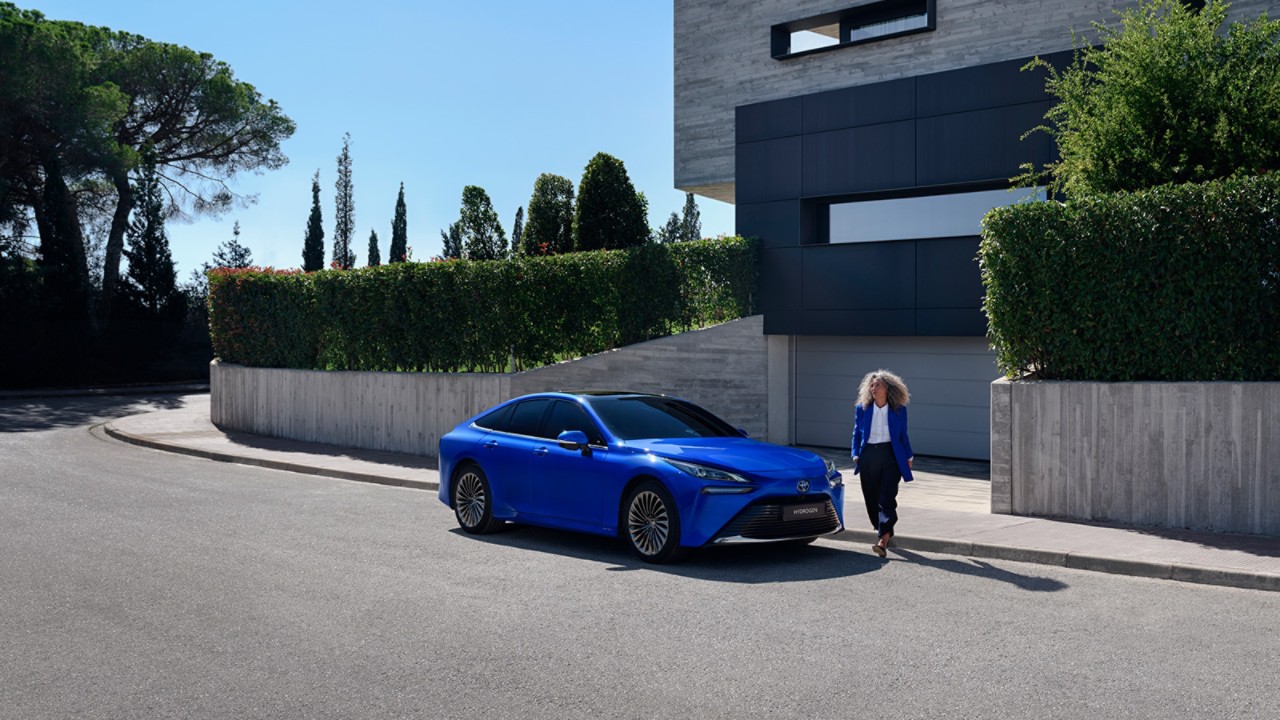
(879, 424)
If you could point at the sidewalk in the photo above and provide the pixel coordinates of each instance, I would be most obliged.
(945, 510)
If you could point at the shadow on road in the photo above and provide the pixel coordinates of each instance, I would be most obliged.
(262, 442)
(749, 564)
(35, 414)
(978, 568)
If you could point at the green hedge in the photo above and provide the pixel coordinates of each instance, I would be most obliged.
(460, 316)
(1177, 283)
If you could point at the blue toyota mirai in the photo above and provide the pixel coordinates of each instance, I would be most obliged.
(659, 472)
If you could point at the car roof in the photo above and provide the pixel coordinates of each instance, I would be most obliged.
(609, 393)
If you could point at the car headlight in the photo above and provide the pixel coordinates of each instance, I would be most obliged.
(702, 472)
(833, 475)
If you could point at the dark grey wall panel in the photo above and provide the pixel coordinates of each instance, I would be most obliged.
(783, 322)
(781, 286)
(860, 322)
(960, 323)
(982, 87)
(769, 170)
(982, 145)
(859, 275)
(876, 157)
(947, 275)
(864, 105)
(767, 120)
(775, 224)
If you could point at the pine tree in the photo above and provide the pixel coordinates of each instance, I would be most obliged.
(549, 226)
(451, 242)
(344, 210)
(399, 231)
(482, 235)
(610, 213)
(232, 254)
(151, 284)
(517, 229)
(313, 243)
(671, 232)
(375, 258)
(691, 223)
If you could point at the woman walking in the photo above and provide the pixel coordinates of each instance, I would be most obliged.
(881, 449)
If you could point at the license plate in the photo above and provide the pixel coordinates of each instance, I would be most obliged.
(804, 512)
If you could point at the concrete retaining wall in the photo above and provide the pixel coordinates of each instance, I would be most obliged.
(723, 368)
(1180, 455)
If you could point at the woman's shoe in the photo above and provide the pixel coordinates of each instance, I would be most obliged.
(878, 550)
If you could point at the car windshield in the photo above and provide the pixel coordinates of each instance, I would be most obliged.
(632, 418)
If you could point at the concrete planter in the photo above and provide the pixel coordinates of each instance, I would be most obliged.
(1178, 455)
(723, 368)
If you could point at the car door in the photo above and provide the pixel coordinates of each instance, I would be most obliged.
(567, 484)
(505, 454)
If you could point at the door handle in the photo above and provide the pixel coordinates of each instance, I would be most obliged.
(540, 451)
(491, 444)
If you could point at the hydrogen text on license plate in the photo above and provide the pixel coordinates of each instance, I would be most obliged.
(803, 512)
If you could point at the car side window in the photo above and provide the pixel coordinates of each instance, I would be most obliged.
(570, 416)
(527, 416)
(496, 420)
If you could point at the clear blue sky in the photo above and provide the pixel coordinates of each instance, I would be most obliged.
(438, 95)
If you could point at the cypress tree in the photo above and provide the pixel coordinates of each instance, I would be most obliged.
(517, 229)
(344, 210)
(691, 223)
(313, 243)
(548, 229)
(610, 213)
(399, 231)
(375, 257)
(151, 284)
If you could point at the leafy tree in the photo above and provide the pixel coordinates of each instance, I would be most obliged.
(691, 221)
(482, 235)
(549, 226)
(313, 243)
(517, 229)
(344, 210)
(1166, 97)
(231, 254)
(610, 213)
(399, 231)
(375, 257)
(151, 282)
(673, 231)
(451, 242)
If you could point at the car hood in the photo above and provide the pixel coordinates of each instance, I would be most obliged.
(742, 454)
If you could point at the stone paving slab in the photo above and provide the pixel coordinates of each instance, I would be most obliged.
(945, 510)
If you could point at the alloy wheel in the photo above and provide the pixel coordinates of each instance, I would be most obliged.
(471, 499)
(648, 523)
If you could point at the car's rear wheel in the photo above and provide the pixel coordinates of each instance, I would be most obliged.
(651, 523)
(473, 501)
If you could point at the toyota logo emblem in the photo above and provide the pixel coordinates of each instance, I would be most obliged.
(802, 486)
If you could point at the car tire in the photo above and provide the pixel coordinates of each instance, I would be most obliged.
(651, 523)
(473, 501)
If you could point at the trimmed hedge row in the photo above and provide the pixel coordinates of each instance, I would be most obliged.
(488, 316)
(1177, 283)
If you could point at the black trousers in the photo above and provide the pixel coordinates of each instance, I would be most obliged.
(880, 477)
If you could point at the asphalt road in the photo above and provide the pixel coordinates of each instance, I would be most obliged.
(140, 584)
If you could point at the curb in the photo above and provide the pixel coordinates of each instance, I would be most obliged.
(1116, 566)
(179, 389)
(110, 430)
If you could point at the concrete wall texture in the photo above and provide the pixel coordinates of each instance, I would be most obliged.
(723, 60)
(1179, 455)
(723, 368)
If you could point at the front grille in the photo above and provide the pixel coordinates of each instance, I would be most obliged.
(762, 520)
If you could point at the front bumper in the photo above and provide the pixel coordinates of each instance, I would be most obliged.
(765, 520)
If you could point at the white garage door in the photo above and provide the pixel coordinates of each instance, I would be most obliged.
(949, 379)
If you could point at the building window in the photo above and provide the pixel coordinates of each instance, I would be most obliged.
(918, 218)
(865, 23)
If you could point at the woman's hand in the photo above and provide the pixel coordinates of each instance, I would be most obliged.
(909, 463)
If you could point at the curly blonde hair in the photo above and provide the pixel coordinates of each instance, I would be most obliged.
(896, 389)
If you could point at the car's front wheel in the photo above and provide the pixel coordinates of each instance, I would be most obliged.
(473, 501)
(651, 523)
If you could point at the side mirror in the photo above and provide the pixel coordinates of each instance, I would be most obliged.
(572, 440)
(743, 433)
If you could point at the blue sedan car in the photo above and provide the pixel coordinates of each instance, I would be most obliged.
(661, 473)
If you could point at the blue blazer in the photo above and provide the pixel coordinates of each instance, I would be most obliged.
(897, 436)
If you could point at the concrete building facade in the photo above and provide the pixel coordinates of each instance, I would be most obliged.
(862, 141)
